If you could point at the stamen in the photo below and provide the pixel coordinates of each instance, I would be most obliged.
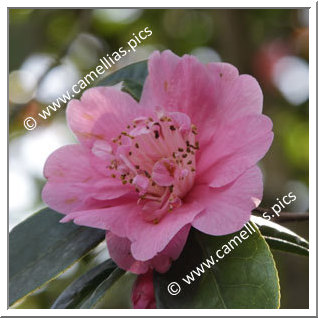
(171, 139)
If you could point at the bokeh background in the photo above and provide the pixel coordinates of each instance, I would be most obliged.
(50, 50)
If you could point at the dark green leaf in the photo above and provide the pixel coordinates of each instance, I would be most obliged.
(81, 288)
(118, 296)
(132, 76)
(245, 278)
(113, 292)
(280, 238)
(132, 88)
(41, 248)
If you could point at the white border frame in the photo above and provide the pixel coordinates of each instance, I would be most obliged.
(312, 163)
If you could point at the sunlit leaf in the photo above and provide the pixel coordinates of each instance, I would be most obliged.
(280, 238)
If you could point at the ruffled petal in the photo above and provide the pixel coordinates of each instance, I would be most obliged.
(227, 209)
(210, 94)
(236, 146)
(147, 238)
(102, 114)
(74, 185)
(120, 251)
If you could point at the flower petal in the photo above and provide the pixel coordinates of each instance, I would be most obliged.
(234, 95)
(102, 114)
(148, 239)
(74, 185)
(227, 209)
(120, 252)
(182, 86)
(143, 293)
(235, 147)
(210, 94)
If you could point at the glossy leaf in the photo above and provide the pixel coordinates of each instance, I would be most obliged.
(41, 248)
(83, 287)
(244, 278)
(280, 238)
(118, 296)
(113, 292)
(132, 76)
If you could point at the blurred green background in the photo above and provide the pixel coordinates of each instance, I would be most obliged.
(50, 50)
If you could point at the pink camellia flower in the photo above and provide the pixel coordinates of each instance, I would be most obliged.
(184, 156)
(143, 293)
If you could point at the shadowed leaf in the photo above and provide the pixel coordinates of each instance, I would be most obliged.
(80, 289)
(246, 277)
(114, 292)
(41, 248)
(132, 76)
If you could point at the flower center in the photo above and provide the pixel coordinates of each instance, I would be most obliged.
(156, 156)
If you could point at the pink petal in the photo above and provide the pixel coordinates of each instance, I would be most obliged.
(141, 182)
(210, 94)
(161, 262)
(67, 198)
(234, 95)
(161, 172)
(225, 71)
(181, 86)
(69, 163)
(74, 185)
(148, 239)
(227, 209)
(119, 251)
(161, 234)
(102, 114)
(235, 147)
(143, 293)
(161, 67)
